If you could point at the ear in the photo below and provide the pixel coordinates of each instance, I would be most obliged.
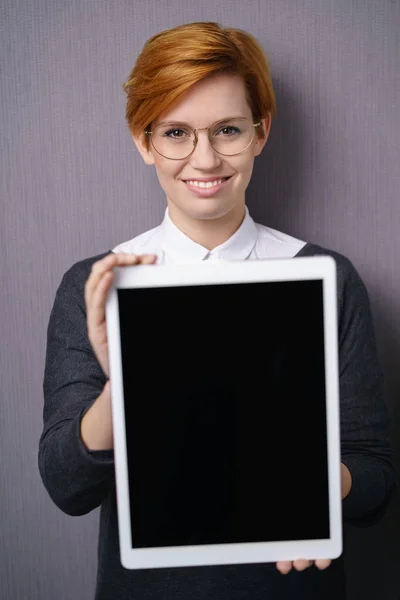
(260, 142)
(147, 155)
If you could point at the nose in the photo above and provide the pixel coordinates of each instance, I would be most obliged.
(204, 156)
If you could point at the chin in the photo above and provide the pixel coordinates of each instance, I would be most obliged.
(208, 213)
(206, 209)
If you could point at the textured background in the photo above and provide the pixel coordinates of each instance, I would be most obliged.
(72, 185)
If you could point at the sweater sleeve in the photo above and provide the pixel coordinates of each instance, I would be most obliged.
(364, 421)
(365, 438)
(76, 479)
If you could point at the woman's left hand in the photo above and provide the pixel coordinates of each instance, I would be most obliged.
(285, 566)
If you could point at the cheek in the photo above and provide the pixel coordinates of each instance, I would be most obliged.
(167, 171)
(245, 168)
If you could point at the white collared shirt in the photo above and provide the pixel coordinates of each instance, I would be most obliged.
(251, 241)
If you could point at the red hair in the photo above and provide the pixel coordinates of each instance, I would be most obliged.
(174, 60)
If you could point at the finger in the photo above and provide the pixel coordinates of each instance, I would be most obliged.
(322, 563)
(123, 260)
(284, 566)
(147, 259)
(104, 265)
(96, 312)
(101, 279)
(97, 271)
(301, 564)
(127, 259)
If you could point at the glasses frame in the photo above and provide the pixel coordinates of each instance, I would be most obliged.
(196, 139)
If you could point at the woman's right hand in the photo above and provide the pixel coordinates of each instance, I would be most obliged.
(96, 290)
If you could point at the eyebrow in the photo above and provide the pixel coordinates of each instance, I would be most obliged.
(186, 123)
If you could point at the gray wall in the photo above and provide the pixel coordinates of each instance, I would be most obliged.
(72, 185)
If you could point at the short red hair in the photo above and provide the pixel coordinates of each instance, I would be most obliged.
(175, 59)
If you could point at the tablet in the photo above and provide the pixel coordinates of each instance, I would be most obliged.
(225, 405)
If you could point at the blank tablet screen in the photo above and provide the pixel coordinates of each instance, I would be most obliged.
(225, 409)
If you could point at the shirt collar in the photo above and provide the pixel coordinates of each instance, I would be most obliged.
(180, 248)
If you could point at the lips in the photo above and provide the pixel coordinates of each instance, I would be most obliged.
(206, 186)
(196, 180)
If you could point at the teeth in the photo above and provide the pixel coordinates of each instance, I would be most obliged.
(206, 184)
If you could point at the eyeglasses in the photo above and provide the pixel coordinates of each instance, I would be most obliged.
(178, 140)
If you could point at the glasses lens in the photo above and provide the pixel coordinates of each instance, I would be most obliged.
(173, 141)
(232, 137)
(229, 137)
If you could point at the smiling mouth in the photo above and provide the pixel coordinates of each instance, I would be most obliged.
(207, 184)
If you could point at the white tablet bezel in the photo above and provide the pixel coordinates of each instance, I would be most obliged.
(206, 273)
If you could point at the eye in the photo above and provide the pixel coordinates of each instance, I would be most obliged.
(176, 133)
(228, 130)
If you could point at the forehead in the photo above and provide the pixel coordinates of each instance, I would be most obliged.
(210, 100)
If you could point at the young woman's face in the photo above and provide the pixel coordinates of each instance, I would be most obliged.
(207, 102)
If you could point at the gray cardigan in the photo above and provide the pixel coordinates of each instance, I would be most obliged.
(79, 480)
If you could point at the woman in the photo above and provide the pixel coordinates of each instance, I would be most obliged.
(199, 106)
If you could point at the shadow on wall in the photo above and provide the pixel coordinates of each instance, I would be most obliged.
(373, 553)
(280, 176)
(388, 340)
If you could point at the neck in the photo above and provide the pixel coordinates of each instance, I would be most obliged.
(209, 233)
